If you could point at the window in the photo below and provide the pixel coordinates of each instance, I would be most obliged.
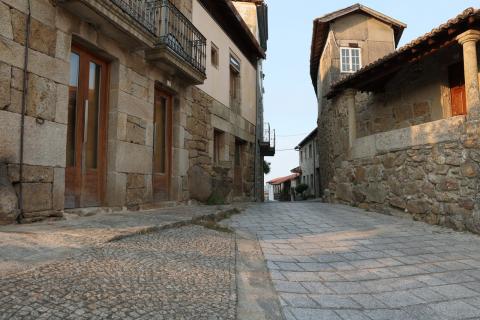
(214, 55)
(218, 146)
(351, 60)
(234, 81)
(311, 180)
(310, 151)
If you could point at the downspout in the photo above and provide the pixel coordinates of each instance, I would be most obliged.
(24, 108)
(314, 173)
(257, 141)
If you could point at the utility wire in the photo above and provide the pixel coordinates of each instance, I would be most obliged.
(293, 135)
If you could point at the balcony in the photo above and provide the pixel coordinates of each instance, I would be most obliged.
(267, 145)
(179, 41)
(169, 38)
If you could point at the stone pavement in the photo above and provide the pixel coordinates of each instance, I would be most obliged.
(338, 263)
(180, 273)
(23, 247)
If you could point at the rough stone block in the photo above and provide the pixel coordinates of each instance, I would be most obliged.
(133, 158)
(376, 193)
(8, 198)
(136, 130)
(134, 106)
(200, 183)
(37, 197)
(418, 206)
(42, 98)
(116, 189)
(344, 192)
(37, 174)
(11, 52)
(5, 77)
(58, 193)
(45, 143)
(135, 196)
(6, 25)
(63, 46)
(9, 137)
(135, 181)
(43, 37)
(61, 109)
(469, 169)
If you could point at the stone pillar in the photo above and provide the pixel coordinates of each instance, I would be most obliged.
(469, 40)
(352, 116)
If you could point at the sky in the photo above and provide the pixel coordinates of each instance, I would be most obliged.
(290, 102)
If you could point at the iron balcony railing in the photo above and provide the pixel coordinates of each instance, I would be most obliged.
(268, 137)
(172, 28)
(145, 12)
(181, 36)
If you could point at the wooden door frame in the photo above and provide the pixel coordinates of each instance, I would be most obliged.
(85, 57)
(160, 91)
(451, 71)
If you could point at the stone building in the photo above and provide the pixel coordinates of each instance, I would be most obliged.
(399, 133)
(128, 103)
(309, 165)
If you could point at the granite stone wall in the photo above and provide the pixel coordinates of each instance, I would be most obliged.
(437, 182)
(209, 181)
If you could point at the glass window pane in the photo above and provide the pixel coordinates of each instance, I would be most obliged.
(72, 108)
(160, 145)
(92, 113)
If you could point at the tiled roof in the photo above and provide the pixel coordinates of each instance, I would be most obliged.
(415, 48)
(283, 179)
(321, 27)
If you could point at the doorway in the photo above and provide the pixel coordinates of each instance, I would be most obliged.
(86, 130)
(162, 145)
(457, 89)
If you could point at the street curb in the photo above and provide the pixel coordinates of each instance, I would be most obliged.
(201, 220)
(257, 298)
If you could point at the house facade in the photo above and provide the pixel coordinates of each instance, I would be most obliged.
(284, 187)
(128, 104)
(309, 164)
(400, 134)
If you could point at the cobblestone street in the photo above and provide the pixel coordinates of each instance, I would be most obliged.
(181, 273)
(336, 262)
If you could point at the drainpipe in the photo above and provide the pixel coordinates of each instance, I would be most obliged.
(314, 167)
(24, 108)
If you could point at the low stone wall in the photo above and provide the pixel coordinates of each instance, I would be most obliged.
(432, 175)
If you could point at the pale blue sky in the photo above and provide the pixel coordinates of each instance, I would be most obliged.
(290, 103)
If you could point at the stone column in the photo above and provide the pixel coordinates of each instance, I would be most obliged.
(469, 40)
(352, 116)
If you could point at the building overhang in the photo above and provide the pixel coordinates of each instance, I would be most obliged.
(375, 76)
(230, 20)
(321, 28)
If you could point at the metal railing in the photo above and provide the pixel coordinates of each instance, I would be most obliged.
(145, 12)
(179, 34)
(172, 28)
(268, 137)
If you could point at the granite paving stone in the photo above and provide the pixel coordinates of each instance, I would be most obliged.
(181, 273)
(382, 267)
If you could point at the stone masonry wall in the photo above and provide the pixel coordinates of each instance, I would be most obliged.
(436, 183)
(45, 122)
(209, 181)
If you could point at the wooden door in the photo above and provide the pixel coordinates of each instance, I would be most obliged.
(86, 130)
(162, 146)
(238, 169)
(457, 89)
